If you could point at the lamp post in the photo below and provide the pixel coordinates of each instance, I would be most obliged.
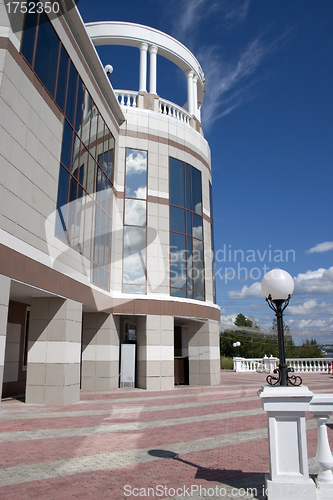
(237, 344)
(277, 286)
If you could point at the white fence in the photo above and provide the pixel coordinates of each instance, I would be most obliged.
(129, 98)
(300, 365)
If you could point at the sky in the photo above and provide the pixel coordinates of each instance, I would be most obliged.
(268, 118)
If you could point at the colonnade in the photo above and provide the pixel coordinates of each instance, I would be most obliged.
(192, 78)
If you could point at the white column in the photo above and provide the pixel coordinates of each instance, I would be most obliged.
(153, 69)
(4, 303)
(189, 76)
(195, 96)
(143, 67)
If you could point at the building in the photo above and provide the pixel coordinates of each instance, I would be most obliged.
(106, 231)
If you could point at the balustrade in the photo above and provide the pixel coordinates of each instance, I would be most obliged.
(128, 98)
(299, 365)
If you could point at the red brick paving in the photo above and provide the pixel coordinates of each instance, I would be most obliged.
(239, 463)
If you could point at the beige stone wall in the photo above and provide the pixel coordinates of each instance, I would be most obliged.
(100, 351)
(54, 351)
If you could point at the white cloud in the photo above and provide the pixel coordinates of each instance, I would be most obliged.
(321, 247)
(228, 320)
(314, 282)
(246, 292)
(319, 281)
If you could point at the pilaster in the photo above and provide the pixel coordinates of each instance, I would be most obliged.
(4, 303)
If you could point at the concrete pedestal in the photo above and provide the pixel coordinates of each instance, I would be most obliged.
(289, 471)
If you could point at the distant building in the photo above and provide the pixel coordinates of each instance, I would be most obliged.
(106, 231)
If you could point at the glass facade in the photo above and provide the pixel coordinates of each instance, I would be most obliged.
(83, 218)
(186, 232)
(135, 222)
(212, 241)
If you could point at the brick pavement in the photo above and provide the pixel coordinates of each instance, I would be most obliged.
(190, 442)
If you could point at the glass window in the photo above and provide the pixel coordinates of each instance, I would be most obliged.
(134, 255)
(135, 212)
(198, 266)
(62, 79)
(71, 93)
(136, 174)
(188, 187)
(47, 53)
(178, 260)
(177, 219)
(79, 107)
(196, 191)
(66, 150)
(178, 292)
(177, 185)
(29, 35)
(134, 288)
(61, 217)
(197, 226)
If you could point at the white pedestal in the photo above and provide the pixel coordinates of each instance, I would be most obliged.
(289, 471)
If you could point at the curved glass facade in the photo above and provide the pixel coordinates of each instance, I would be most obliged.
(83, 218)
(186, 232)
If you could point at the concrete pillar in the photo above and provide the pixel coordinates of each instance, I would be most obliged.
(190, 106)
(54, 351)
(143, 67)
(4, 302)
(153, 69)
(100, 351)
(204, 352)
(195, 96)
(155, 344)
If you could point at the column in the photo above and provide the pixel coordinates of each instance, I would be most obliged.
(143, 67)
(100, 351)
(54, 351)
(4, 302)
(195, 96)
(155, 338)
(288, 457)
(204, 352)
(153, 69)
(189, 76)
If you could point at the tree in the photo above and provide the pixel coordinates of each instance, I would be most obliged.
(309, 349)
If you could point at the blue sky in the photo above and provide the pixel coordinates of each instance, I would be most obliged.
(267, 115)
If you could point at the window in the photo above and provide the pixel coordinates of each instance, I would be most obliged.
(135, 222)
(212, 241)
(83, 218)
(186, 232)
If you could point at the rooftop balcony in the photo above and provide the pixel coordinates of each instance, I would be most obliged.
(155, 42)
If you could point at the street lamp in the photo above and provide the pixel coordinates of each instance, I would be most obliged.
(237, 344)
(277, 286)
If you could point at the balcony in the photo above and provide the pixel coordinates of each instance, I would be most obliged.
(155, 42)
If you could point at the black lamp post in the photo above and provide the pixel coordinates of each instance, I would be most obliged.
(277, 286)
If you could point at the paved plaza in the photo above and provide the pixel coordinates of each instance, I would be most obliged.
(190, 442)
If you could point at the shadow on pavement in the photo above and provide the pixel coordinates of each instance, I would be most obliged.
(251, 482)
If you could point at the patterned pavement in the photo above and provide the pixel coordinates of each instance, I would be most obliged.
(190, 442)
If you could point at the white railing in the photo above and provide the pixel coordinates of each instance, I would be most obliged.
(171, 109)
(129, 98)
(300, 365)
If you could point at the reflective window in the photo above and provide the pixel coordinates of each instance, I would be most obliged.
(61, 216)
(212, 241)
(135, 212)
(62, 79)
(71, 93)
(135, 220)
(134, 255)
(177, 219)
(47, 53)
(186, 232)
(29, 36)
(136, 174)
(177, 184)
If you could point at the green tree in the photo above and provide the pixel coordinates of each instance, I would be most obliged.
(309, 349)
